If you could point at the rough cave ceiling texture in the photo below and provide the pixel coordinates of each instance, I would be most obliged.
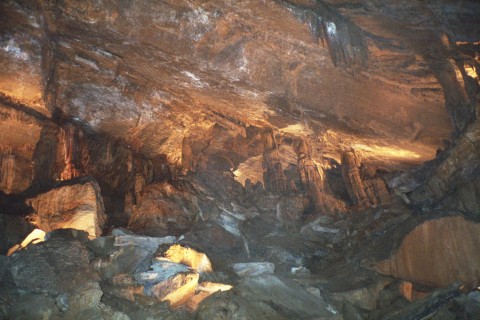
(389, 78)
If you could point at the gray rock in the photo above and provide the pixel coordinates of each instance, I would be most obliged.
(253, 269)
(364, 297)
(3, 266)
(54, 266)
(127, 254)
(265, 297)
(34, 306)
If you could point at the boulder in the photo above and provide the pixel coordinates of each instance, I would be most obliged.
(438, 252)
(59, 267)
(77, 206)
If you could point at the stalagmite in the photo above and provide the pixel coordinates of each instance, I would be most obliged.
(311, 177)
(273, 175)
(71, 137)
(8, 173)
(352, 178)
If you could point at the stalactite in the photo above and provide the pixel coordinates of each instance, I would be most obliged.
(71, 140)
(8, 173)
(353, 181)
(273, 176)
(344, 40)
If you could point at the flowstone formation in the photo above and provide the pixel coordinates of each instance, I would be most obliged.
(279, 159)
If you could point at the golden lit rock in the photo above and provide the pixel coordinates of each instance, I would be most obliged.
(79, 206)
(188, 256)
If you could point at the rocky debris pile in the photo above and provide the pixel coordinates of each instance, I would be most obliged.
(68, 275)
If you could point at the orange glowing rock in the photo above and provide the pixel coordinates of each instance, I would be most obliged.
(204, 290)
(188, 256)
(437, 253)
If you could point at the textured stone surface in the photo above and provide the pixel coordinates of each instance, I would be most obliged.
(79, 206)
(265, 297)
(163, 209)
(196, 260)
(253, 269)
(250, 63)
(438, 252)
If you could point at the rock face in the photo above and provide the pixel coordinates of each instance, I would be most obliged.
(438, 252)
(79, 206)
(162, 209)
(20, 132)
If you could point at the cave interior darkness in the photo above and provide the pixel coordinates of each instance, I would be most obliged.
(256, 159)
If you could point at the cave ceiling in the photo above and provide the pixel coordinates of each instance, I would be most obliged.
(380, 76)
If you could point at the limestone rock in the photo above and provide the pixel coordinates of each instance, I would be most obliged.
(353, 181)
(438, 252)
(253, 269)
(78, 206)
(455, 173)
(125, 254)
(312, 177)
(57, 267)
(291, 208)
(168, 281)
(20, 132)
(426, 307)
(273, 177)
(34, 306)
(365, 297)
(265, 297)
(204, 290)
(162, 210)
(189, 257)
(3, 266)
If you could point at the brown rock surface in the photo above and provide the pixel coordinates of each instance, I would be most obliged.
(162, 209)
(78, 206)
(438, 252)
